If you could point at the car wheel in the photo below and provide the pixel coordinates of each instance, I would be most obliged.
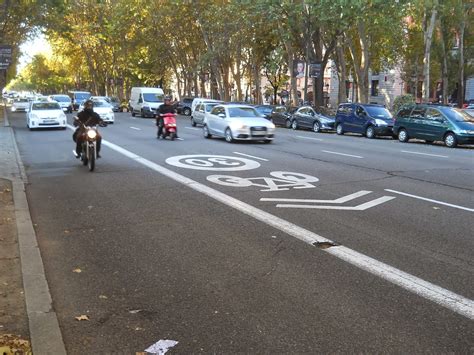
(187, 111)
(228, 136)
(450, 140)
(339, 129)
(205, 131)
(294, 124)
(403, 135)
(192, 122)
(370, 132)
(267, 141)
(133, 113)
(316, 127)
(288, 123)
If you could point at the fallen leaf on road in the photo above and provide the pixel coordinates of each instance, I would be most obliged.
(138, 329)
(78, 271)
(82, 317)
(103, 297)
(135, 311)
(90, 207)
(436, 208)
(66, 232)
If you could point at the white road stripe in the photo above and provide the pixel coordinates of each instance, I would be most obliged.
(314, 139)
(441, 296)
(430, 200)
(361, 207)
(136, 129)
(346, 155)
(431, 155)
(339, 200)
(193, 128)
(250, 156)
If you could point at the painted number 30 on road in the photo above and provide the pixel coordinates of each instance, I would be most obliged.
(212, 162)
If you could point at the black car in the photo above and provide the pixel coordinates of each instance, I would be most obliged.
(184, 106)
(281, 115)
(312, 118)
(265, 111)
(114, 102)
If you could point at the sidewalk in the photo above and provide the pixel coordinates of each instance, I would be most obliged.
(26, 311)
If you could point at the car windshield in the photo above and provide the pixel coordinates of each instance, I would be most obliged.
(61, 98)
(242, 112)
(458, 115)
(101, 103)
(82, 96)
(21, 100)
(46, 106)
(209, 107)
(264, 110)
(153, 97)
(378, 112)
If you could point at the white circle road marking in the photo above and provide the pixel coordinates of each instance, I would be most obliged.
(212, 162)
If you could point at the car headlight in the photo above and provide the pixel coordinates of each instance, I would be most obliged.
(91, 134)
(237, 125)
(380, 122)
(13, 108)
(271, 126)
(33, 117)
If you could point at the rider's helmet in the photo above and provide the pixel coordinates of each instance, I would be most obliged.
(88, 105)
(167, 98)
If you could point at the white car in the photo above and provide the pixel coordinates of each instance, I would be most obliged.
(45, 114)
(199, 114)
(103, 108)
(20, 105)
(64, 101)
(238, 122)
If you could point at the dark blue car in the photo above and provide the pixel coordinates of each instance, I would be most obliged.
(367, 119)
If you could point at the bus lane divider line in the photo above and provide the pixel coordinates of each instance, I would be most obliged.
(416, 285)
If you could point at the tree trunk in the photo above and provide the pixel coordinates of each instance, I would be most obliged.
(361, 63)
(428, 30)
(462, 27)
(444, 64)
(341, 72)
(290, 54)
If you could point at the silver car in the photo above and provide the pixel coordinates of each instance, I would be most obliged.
(238, 122)
(199, 113)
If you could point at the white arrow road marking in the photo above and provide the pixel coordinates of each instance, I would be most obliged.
(346, 155)
(430, 200)
(136, 129)
(430, 155)
(338, 200)
(361, 207)
(443, 297)
(161, 347)
(250, 156)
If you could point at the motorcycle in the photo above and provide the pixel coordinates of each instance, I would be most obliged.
(169, 125)
(89, 144)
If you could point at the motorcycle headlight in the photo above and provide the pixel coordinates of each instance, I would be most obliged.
(91, 134)
(380, 122)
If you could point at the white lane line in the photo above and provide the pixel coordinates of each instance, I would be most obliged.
(136, 129)
(346, 155)
(339, 200)
(361, 207)
(430, 155)
(250, 156)
(314, 139)
(195, 129)
(441, 296)
(430, 200)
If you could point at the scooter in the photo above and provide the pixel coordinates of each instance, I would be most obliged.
(89, 144)
(169, 125)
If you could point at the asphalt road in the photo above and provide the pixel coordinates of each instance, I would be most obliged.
(227, 254)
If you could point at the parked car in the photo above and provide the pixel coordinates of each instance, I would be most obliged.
(64, 101)
(199, 114)
(238, 122)
(145, 101)
(281, 115)
(367, 119)
(307, 117)
(45, 114)
(184, 106)
(434, 123)
(198, 100)
(103, 108)
(20, 104)
(265, 111)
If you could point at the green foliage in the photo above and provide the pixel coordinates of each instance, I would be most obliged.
(401, 101)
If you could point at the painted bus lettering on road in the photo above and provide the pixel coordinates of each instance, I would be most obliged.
(280, 181)
(212, 162)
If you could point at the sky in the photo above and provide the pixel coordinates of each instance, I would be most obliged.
(30, 48)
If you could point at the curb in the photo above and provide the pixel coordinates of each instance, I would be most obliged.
(45, 334)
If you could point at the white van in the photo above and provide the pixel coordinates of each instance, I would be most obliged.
(145, 101)
(199, 100)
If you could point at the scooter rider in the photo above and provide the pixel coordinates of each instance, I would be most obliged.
(88, 118)
(167, 107)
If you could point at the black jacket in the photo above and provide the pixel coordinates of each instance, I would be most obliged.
(166, 109)
(89, 118)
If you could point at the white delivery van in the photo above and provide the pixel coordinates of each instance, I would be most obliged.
(145, 101)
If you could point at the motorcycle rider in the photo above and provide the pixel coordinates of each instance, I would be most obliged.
(88, 118)
(167, 107)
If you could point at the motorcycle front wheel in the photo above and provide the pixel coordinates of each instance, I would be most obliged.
(91, 163)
